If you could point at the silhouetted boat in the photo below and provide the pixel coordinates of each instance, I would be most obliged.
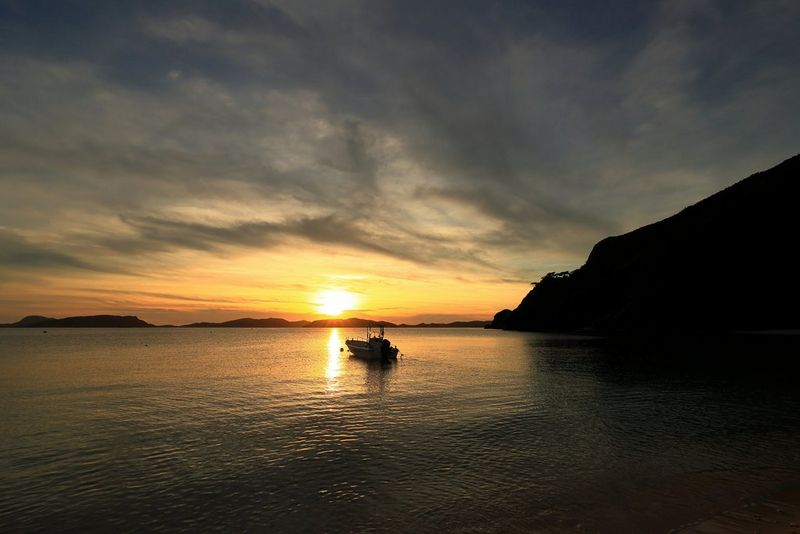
(374, 347)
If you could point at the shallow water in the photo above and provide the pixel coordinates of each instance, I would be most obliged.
(277, 430)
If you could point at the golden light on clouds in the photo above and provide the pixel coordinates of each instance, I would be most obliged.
(335, 301)
(305, 281)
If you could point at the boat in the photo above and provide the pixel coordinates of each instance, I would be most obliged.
(374, 347)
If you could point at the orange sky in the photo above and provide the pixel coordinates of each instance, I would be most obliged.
(289, 283)
(209, 161)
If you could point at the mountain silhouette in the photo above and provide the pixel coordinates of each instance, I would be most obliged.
(271, 322)
(723, 264)
(117, 321)
(89, 321)
(352, 322)
(30, 320)
(454, 324)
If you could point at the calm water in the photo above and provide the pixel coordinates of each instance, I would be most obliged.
(278, 431)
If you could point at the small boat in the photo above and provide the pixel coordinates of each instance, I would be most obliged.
(374, 347)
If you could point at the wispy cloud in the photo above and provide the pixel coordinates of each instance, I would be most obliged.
(496, 140)
(16, 252)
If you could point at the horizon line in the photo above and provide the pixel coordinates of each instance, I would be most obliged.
(40, 319)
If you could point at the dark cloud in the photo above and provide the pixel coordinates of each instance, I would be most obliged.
(185, 298)
(499, 137)
(527, 218)
(348, 233)
(16, 252)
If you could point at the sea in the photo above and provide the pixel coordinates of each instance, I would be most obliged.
(280, 430)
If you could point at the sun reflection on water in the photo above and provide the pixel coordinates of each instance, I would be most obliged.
(333, 368)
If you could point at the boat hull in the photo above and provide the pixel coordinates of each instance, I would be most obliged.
(369, 351)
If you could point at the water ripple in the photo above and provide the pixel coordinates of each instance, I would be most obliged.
(277, 431)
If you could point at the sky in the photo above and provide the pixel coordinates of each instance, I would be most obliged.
(186, 161)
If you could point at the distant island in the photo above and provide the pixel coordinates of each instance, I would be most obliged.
(90, 321)
(247, 322)
(131, 321)
(724, 264)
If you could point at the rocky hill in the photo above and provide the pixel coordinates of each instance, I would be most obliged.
(726, 263)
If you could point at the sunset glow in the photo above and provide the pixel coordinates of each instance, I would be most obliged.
(271, 159)
(334, 302)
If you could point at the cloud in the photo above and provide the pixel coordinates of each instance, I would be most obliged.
(16, 252)
(501, 140)
(152, 234)
(183, 298)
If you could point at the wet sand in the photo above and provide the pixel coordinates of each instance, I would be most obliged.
(779, 514)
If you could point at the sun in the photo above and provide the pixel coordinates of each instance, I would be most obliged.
(335, 301)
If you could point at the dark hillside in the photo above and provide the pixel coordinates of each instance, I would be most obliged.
(725, 263)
